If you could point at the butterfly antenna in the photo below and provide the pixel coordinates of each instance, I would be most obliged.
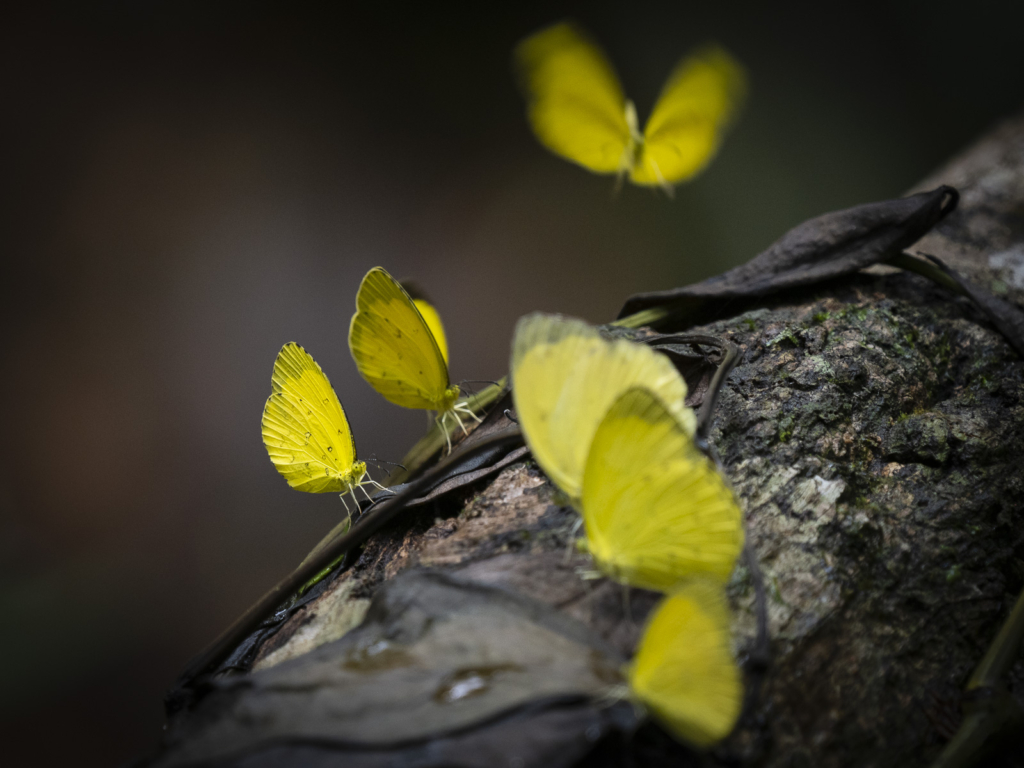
(382, 461)
(392, 463)
(478, 381)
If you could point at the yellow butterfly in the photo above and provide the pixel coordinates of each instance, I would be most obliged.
(655, 509)
(305, 429)
(401, 352)
(577, 109)
(683, 671)
(565, 377)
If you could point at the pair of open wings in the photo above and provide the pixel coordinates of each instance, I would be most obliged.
(577, 109)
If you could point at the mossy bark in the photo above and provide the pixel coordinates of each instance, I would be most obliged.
(874, 430)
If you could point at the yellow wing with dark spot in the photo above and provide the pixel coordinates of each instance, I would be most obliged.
(656, 510)
(304, 426)
(684, 671)
(574, 102)
(394, 348)
(698, 103)
(565, 377)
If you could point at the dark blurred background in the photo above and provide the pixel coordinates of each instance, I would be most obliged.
(188, 185)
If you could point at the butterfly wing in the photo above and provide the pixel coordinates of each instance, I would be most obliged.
(433, 320)
(655, 508)
(698, 102)
(575, 104)
(429, 314)
(393, 346)
(304, 426)
(565, 376)
(684, 672)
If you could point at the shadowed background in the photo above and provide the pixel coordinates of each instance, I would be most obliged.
(187, 186)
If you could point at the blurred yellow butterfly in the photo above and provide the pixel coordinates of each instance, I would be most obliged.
(577, 109)
(565, 377)
(655, 509)
(683, 671)
(401, 351)
(305, 429)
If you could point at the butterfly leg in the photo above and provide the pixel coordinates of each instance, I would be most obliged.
(444, 429)
(466, 410)
(617, 693)
(375, 484)
(627, 608)
(455, 414)
(661, 179)
(342, 496)
(571, 545)
(362, 487)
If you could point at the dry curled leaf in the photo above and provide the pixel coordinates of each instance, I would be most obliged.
(822, 248)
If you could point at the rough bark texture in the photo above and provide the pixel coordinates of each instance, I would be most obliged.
(874, 430)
